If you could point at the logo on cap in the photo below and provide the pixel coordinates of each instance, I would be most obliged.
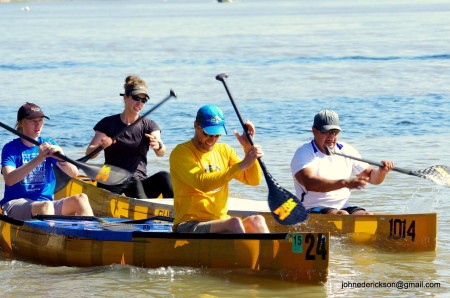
(326, 120)
(216, 119)
(30, 111)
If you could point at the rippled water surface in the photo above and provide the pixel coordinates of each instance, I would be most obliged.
(382, 65)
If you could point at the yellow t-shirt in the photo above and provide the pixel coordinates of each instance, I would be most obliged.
(200, 181)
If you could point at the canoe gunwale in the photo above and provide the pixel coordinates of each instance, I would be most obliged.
(11, 220)
(152, 234)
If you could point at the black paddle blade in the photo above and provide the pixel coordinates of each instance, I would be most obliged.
(106, 174)
(438, 174)
(61, 179)
(286, 208)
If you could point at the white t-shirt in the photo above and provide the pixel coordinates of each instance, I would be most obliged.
(333, 167)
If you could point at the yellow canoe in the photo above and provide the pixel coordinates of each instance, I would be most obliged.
(390, 232)
(89, 241)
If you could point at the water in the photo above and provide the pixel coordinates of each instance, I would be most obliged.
(382, 65)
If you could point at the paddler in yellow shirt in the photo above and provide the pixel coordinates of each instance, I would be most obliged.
(201, 169)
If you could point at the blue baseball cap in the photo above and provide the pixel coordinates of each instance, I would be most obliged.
(211, 119)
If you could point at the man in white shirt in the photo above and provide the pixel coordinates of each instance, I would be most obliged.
(324, 181)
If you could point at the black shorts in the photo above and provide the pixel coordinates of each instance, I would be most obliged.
(326, 210)
(193, 227)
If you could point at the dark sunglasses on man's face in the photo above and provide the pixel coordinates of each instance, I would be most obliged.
(331, 132)
(210, 136)
(138, 98)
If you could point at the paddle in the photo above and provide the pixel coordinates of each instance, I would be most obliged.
(285, 207)
(62, 178)
(439, 174)
(105, 174)
(114, 225)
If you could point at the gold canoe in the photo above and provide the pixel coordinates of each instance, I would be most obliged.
(390, 232)
(63, 241)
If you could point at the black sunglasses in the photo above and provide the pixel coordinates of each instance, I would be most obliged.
(330, 132)
(138, 98)
(210, 136)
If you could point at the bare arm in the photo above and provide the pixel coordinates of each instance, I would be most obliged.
(376, 176)
(13, 175)
(99, 139)
(313, 182)
(68, 168)
(155, 141)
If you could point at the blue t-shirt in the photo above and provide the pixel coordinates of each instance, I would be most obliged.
(39, 185)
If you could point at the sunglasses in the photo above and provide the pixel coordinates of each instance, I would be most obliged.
(210, 136)
(331, 132)
(138, 98)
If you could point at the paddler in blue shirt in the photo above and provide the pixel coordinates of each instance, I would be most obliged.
(28, 172)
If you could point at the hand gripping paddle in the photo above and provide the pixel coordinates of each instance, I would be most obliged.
(285, 207)
(105, 174)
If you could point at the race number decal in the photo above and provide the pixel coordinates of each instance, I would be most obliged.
(401, 229)
(316, 246)
(297, 243)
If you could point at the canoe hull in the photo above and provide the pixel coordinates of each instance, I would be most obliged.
(390, 232)
(298, 257)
